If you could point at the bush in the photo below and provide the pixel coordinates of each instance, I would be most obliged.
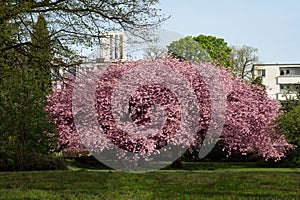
(88, 162)
(31, 162)
(291, 160)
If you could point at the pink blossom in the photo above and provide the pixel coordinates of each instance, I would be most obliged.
(249, 124)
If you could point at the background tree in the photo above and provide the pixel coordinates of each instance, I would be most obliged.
(202, 48)
(81, 23)
(25, 127)
(289, 125)
(188, 49)
(41, 53)
(217, 48)
(242, 59)
(154, 52)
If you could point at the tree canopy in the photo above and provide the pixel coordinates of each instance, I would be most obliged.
(249, 124)
(217, 48)
(188, 49)
(26, 82)
(74, 22)
(242, 60)
(202, 48)
(289, 124)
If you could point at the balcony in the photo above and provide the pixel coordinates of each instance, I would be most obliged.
(283, 96)
(288, 79)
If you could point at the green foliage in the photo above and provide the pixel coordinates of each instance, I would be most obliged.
(41, 51)
(188, 49)
(80, 23)
(25, 84)
(289, 124)
(31, 162)
(289, 104)
(217, 49)
(202, 48)
(258, 81)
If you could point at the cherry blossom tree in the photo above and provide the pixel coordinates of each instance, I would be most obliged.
(60, 109)
(249, 118)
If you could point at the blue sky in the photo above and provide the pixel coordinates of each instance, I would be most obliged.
(272, 26)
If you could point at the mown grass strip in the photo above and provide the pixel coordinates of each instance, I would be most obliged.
(218, 184)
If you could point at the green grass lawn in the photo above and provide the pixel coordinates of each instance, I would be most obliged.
(215, 184)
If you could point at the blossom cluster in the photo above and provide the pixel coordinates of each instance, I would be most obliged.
(165, 114)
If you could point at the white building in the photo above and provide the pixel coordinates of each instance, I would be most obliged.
(281, 80)
(113, 47)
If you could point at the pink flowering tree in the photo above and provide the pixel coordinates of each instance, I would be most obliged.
(60, 109)
(249, 114)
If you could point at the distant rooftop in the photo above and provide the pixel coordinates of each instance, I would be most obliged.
(277, 64)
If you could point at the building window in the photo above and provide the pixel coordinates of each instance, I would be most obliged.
(293, 88)
(286, 72)
(281, 72)
(284, 88)
(263, 73)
